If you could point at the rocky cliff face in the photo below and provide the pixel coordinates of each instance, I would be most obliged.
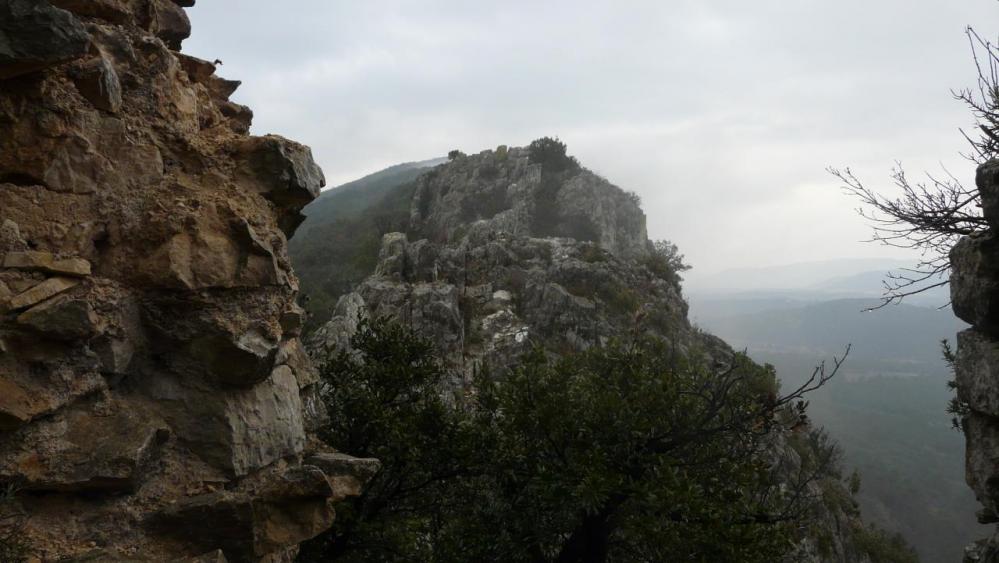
(155, 399)
(489, 278)
(974, 286)
(502, 255)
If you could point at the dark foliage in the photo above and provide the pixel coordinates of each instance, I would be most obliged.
(624, 453)
(551, 154)
(666, 262)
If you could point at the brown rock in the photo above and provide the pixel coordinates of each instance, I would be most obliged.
(18, 405)
(47, 262)
(10, 237)
(211, 557)
(281, 170)
(124, 149)
(32, 386)
(41, 292)
(114, 11)
(5, 295)
(169, 22)
(291, 507)
(243, 360)
(198, 70)
(347, 474)
(98, 82)
(240, 117)
(220, 88)
(77, 451)
(36, 36)
(293, 355)
(62, 318)
(292, 320)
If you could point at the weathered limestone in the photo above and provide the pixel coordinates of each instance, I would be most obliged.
(150, 366)
(249, 527)
(47, 262)
(77, 450)
(62, 318)
(41, 292)
(37, 36)
(282, 171)
(975, 298)
(98, 82)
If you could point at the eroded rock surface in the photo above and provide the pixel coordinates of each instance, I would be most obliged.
(155, 400)
(974, 284)
(502, 255)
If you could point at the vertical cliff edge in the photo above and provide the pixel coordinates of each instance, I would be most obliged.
(974, 284)
(156, 403)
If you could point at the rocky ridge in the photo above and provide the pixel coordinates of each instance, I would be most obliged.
(156, 402)
(503, 253)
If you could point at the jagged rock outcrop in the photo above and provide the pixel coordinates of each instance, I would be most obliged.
(155, 400)
(502, 254)
(974, 284)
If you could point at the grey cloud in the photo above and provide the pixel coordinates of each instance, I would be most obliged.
(717, 112)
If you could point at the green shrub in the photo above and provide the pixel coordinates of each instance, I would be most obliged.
(618, 453)
(551, 154)
(666, 262)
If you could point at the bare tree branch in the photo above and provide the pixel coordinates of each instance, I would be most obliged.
(930, 216)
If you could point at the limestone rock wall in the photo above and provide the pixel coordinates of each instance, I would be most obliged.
(155, 399)
(974, 285)
(502, 190)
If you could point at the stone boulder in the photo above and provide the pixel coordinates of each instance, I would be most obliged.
(35, 35)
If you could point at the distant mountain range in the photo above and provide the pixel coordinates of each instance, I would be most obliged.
(887, 407)
(811, 281)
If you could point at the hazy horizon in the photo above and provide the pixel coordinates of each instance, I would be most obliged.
(723, 117)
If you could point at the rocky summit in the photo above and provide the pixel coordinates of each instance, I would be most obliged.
(507, 249)
(156, 402)
(505, 254)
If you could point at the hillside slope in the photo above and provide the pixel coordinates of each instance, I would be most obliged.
(344, 226)
(503, 251)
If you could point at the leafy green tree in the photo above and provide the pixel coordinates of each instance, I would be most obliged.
(629, 452)
(388, 399)
(666, 261)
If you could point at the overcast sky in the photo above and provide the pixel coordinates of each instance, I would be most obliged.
(722, 115)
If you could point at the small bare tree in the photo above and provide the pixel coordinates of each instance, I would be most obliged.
(931, 215)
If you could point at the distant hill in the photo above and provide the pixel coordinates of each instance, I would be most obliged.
(801, 275)
(343, 226)
(906, 335)
(887, 407)
(811, 282)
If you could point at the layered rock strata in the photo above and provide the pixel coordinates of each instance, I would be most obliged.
(155, 399)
